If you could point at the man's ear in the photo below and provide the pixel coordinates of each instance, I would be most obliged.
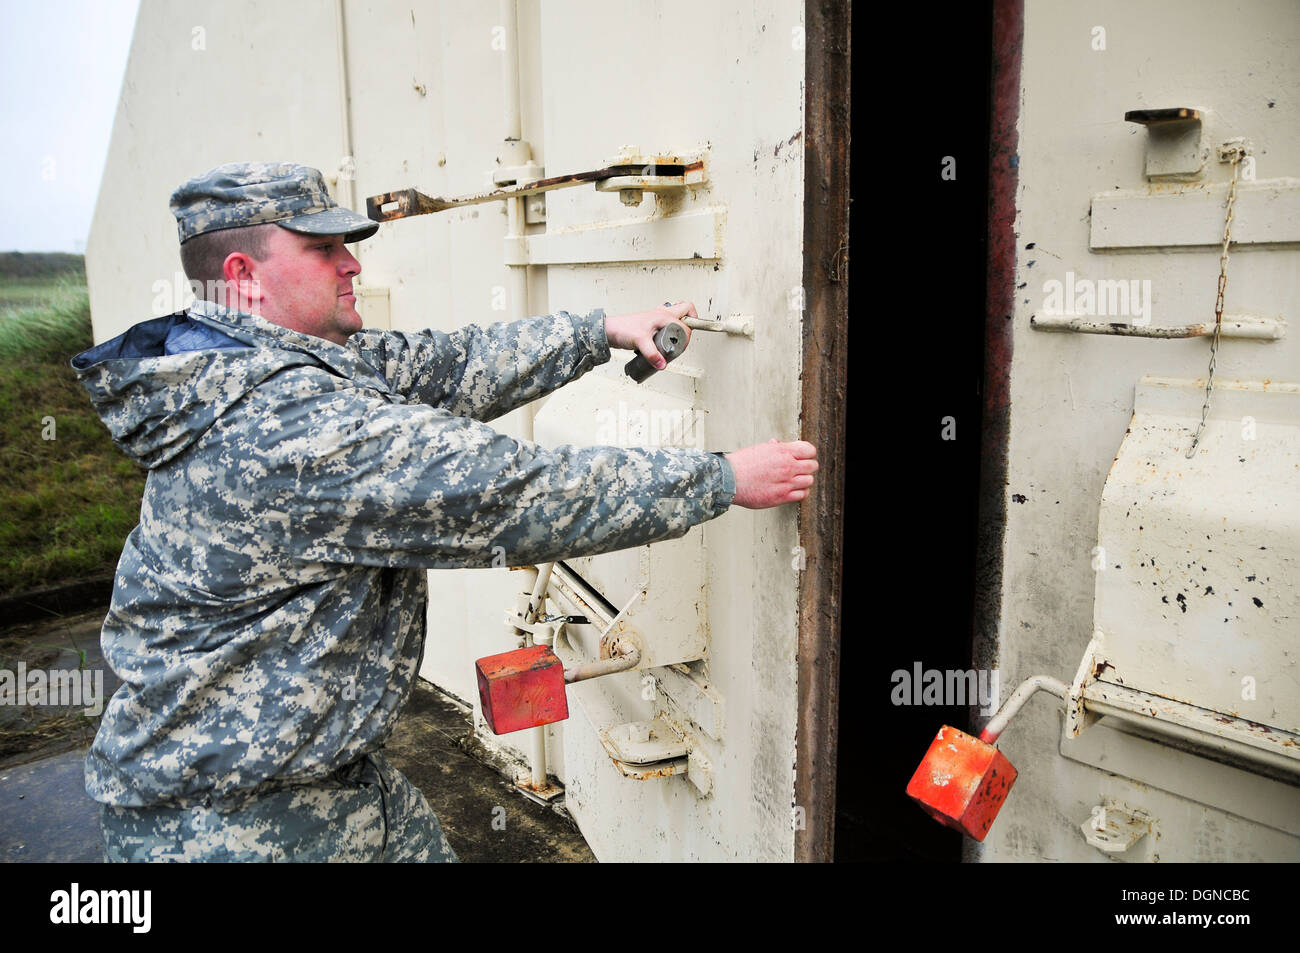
(239, 269)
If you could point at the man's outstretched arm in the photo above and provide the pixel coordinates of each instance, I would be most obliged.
(354, 480)
(484, 372)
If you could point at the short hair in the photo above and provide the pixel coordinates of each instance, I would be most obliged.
(203, 256)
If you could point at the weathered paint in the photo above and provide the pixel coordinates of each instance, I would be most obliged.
(1070, 397)
(1197, 589)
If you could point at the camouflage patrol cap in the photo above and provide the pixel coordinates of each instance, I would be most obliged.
(255, 193)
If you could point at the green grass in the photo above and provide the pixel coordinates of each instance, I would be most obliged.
(25, 292)
(67, 503)
(43, 318)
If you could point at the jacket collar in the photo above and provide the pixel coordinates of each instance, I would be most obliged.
(258, 332)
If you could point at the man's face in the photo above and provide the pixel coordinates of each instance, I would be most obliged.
(305, 283)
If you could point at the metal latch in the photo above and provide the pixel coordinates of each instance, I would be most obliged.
(642, 750)
(643, 742)
(1114, 828)
(1173, 141)
(630, 174)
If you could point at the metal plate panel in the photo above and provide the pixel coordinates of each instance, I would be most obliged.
(1197, 559)
(1193, 215)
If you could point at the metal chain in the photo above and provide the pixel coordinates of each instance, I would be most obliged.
(1233, 152)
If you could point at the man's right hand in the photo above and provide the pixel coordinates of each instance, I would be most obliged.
(773, 473)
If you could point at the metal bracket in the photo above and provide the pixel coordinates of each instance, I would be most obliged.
(1114, 828)
(642, 750)
(544, 631)
(643, 742)
(1077, 716)
(1229, 148)
(1173, 142)
(631, 187)
(518, 174)
(1225, 738)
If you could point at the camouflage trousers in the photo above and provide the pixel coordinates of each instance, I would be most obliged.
(366, 812)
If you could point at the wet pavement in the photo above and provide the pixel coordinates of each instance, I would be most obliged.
(45, 815)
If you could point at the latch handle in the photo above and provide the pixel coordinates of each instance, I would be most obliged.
(1149, 117)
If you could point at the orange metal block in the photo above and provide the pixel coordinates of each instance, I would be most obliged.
(522, 689)
(962, 782)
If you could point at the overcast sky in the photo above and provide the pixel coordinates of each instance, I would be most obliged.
(61, 66)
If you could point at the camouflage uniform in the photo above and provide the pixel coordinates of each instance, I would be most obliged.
(268, 614)
(366, 812)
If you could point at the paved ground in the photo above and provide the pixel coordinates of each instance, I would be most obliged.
(45, 815)
(434, 747)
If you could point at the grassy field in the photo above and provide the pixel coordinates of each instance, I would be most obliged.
(68, 496)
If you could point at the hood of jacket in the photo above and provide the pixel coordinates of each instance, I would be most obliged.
(159, 386)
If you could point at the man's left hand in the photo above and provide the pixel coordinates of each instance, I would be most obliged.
(635, 332)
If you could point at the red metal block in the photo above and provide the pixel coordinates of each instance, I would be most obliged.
(522, 689)
(962, 782)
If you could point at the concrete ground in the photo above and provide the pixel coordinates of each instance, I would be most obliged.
(45, 815)
(485, 817)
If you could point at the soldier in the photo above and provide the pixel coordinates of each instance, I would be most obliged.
(269, 610)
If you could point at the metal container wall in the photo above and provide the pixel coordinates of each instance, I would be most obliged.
(415, 95)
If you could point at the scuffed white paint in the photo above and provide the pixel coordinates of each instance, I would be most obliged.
(1072, 394)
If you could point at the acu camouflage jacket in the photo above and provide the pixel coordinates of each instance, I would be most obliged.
(268, 615)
